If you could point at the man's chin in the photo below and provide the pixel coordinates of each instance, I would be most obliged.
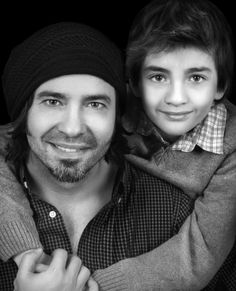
(68, 176)
(68, 179)
(69, 163)
(67, 171)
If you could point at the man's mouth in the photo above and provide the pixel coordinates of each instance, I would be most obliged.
(70, 148)
(66, 149)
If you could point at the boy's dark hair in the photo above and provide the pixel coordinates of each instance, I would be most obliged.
(169, 24)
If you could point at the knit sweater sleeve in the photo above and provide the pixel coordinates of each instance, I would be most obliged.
(191, 258)
(17, 229)
(139, 273)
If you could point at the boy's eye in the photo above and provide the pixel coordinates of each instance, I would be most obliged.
(197, 78)
(96, 105)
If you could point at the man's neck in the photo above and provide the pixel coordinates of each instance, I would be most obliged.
(48, 188)
(77, 202)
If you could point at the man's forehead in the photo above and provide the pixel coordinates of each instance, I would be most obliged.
(77, 83)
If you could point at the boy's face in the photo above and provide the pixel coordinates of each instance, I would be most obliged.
(178, 88)
(70, 125)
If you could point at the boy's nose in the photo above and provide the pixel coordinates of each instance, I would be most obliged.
(176, 96)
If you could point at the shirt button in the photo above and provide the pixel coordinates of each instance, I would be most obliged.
(52, 214)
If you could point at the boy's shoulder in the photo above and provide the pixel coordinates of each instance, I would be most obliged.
(230, 129)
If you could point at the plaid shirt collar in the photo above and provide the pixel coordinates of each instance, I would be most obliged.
(208, 135)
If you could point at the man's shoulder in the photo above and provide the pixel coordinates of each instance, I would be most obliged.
(143, 180)
(154, 193)
(140, 174)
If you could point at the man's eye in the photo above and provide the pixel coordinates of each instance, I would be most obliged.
(96, 105)
(52, 102)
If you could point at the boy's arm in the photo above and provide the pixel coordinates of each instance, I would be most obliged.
(17, 229)
(190, 259)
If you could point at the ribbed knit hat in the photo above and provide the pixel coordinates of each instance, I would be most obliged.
(60, 49)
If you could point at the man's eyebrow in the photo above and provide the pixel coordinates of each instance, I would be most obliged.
(101, 97)
(51, 94)
(89, 97)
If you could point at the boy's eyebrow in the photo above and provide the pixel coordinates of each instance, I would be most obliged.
(199, 69)
(155, 69)
(190, 70)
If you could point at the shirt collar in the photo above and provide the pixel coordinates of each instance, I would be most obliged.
(208, 135)
(117, 193)
(24, 180)
(139, 123)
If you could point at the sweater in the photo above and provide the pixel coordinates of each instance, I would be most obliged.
(187, 261)
(190, 259)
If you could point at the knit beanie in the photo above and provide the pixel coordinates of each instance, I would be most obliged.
(60, 49)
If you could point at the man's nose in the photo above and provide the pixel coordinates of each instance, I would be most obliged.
(72, 122)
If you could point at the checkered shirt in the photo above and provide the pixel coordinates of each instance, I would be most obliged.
(144, 212)
(208, 135)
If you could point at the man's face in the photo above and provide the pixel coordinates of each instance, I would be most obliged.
(70, 125)
(178, 89)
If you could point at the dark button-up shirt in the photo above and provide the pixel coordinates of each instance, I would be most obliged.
(143, 213)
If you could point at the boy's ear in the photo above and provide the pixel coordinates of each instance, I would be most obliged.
(219, 94)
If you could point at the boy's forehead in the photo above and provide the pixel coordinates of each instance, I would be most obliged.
(181, 56)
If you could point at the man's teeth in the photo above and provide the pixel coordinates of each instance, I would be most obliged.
(68, 150)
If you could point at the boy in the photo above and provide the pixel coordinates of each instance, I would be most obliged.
(180, 66)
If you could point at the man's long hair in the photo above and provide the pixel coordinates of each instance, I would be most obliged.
(18, 147)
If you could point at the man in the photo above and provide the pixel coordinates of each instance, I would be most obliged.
(65, 91)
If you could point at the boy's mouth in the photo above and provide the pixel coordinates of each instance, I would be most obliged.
(174, 115)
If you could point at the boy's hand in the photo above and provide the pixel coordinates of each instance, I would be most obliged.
(62, 274)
